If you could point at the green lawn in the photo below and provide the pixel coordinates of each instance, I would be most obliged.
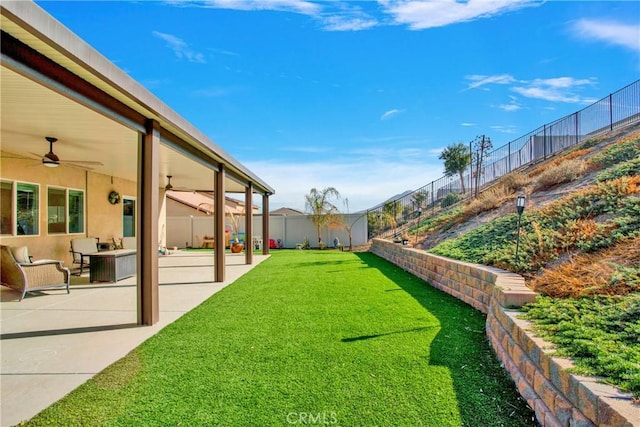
(334, 338)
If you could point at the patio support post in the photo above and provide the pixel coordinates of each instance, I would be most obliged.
(265, 224)
(147, 224)
(219, 211)
(248, 225)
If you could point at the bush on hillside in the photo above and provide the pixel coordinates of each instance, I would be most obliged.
(612, 271)
(619, 152)
(575, 154)
(615, 203)
(562, 173)
(630, 168)
(600, 333)
(487, 200)
(450, 199)
(515, 181)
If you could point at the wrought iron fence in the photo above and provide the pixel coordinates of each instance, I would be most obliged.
(616, 111)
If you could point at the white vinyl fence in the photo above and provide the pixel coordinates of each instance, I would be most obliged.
(188, 231)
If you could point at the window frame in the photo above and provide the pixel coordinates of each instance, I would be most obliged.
(67, 213)
(12, 209)
(15, 208)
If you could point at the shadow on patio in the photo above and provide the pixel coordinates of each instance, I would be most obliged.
(54, 341)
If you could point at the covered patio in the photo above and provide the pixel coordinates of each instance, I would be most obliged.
(106, 172)
(53, 343)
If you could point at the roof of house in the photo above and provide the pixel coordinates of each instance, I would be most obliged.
(286, 212)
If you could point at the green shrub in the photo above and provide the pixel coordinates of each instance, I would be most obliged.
(541, 239)
(591, 142)
(450, 199)
(601, 334)
(619, 152)
(628, 168)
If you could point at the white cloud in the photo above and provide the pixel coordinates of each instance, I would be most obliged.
(617, 33)
(422, 14)
(513, 105)
(352, 178)
(467, 124)
(294, 6)
(346, 23)
(480, 80)
(562, 89)
(509, 107)
(180, 48)
(558, 89)
(391, 113)
(509, 129)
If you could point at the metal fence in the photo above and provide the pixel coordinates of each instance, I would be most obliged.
(616, 111)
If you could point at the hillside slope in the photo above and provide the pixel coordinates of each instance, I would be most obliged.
(579, 248)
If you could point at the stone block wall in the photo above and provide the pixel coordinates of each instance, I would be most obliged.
(557, 397)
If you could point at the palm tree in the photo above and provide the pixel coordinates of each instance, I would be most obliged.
(318, 204)
(456, 160)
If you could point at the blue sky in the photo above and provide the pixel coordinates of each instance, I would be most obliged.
(363, 95)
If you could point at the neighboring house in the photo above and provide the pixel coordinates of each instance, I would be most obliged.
(189, 218)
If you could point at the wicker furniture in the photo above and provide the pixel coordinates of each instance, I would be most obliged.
(111, 266)
(82, 249)
(27, 277)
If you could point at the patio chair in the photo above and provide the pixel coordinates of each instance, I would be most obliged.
(25, 276)
(82, 249)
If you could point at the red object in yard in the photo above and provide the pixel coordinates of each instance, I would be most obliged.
(272, 244)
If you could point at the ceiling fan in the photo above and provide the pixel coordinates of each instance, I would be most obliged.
(52, 160)
(170, 187)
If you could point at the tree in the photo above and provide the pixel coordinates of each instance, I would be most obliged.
(319, 206)
(481, 146)
(348, 226)
(419, 197)
(390, 212)
(456, 160)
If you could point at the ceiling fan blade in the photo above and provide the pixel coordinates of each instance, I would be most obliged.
(86, 162)
(75, 165)
(15, 156)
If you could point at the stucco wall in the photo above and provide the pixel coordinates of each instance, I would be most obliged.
(102, 219)
(557, 397)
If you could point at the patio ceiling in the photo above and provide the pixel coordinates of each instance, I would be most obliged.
(34, 107)
(31, 111)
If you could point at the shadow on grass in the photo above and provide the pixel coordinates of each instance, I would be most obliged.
(368, 337)
(486, 394)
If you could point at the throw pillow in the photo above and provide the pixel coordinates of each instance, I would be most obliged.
(21, 254)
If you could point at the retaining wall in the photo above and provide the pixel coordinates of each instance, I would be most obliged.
(557, 397)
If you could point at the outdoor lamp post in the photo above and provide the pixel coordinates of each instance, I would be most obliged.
(520, 203)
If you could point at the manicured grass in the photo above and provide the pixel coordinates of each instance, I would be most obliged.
(348, 338)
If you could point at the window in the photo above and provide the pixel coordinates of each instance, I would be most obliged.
(6, 207)
(76, 211)
(128, 217)
(65, 211)
(27, 213)
(56, 210)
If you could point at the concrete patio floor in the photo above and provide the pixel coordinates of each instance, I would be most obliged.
(53, 342)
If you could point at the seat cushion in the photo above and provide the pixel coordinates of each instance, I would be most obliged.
(21, 254)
